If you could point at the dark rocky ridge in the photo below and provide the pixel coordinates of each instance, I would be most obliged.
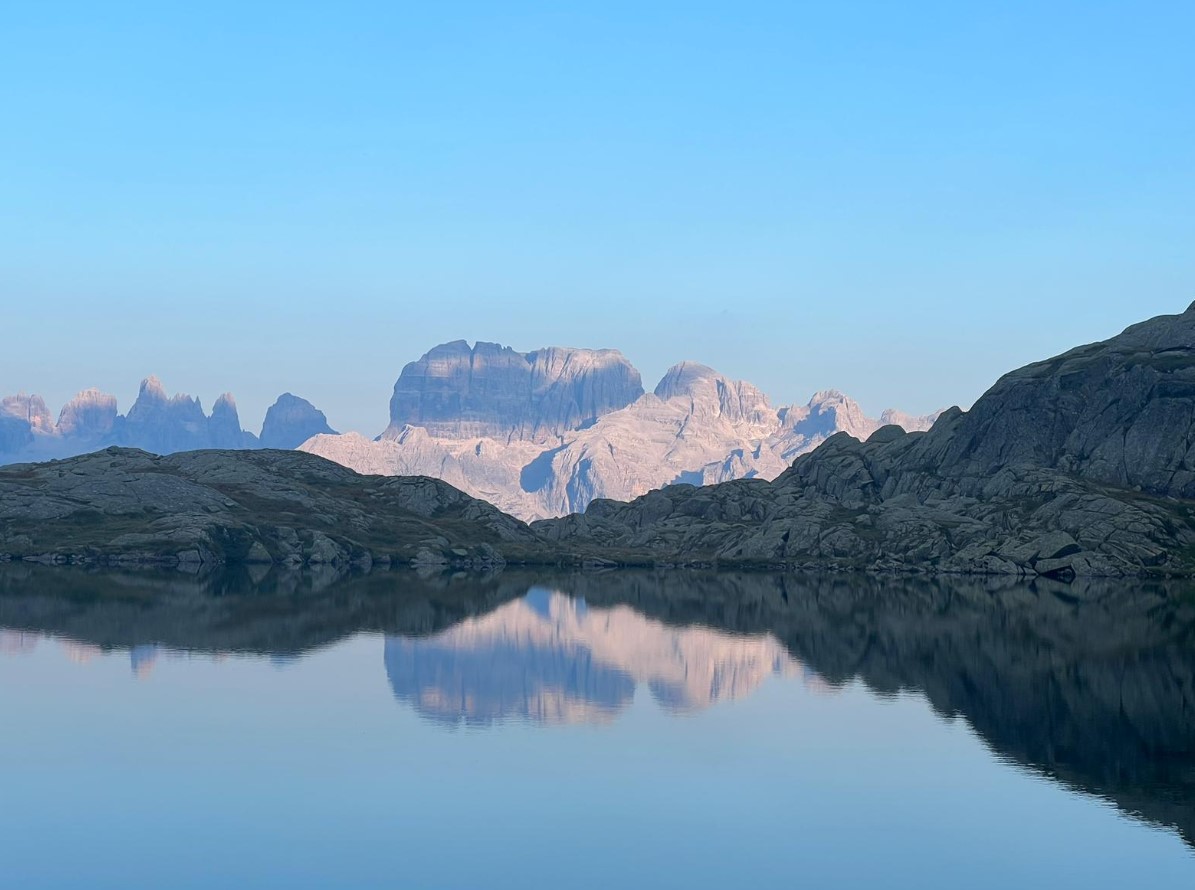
(264, 506)
(1080, 465)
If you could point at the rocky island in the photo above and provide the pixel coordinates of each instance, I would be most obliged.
(1083, 464)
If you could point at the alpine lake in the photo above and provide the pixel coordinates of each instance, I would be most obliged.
(593, 730)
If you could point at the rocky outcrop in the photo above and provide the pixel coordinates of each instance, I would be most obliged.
(263, 506)
(1074, 466)
(491, 391)
(1120, 412)
(544, 434)
(291, 421)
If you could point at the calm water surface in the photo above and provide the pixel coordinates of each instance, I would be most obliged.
(592, 731)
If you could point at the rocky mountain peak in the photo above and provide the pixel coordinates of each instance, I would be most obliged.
(29, 408)
(291, 421)
(492, 391)
(226, 402)
(89, 416)
(224, 425)
(710, 394)
(151, 390)
(683, 379)
(162, 425)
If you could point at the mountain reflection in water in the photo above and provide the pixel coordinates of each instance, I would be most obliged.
(1092, 685)
(550, 658)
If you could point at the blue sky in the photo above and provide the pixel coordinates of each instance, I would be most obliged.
(898, 200)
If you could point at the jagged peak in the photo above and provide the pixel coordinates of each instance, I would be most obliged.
(830, 396)
(152, 386)
(683, 376)
(292, 420)
(91, 396)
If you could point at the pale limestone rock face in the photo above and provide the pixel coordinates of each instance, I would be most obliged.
(709, 396)
(291, 421)
(31, 409)
(911, 423)
(90, 416)
(490, 391)
(698, 427)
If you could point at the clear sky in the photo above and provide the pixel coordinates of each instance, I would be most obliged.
(900, 200)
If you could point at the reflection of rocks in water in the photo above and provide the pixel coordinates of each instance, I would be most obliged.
(142, 660)
(551, 659)
(16, 642)
(1090, 683)
(80, 653)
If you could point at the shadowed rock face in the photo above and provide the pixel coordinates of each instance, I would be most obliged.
(1120, 412)
(291, 421)
(492, 391)
(1091, 684)
(15, 433)
(1034, 479)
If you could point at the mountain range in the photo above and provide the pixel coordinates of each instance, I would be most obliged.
(1079, 465)
(157, 422)
(544, 433)
(538, 434)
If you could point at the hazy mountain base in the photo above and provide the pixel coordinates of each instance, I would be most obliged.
(1091, 683)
